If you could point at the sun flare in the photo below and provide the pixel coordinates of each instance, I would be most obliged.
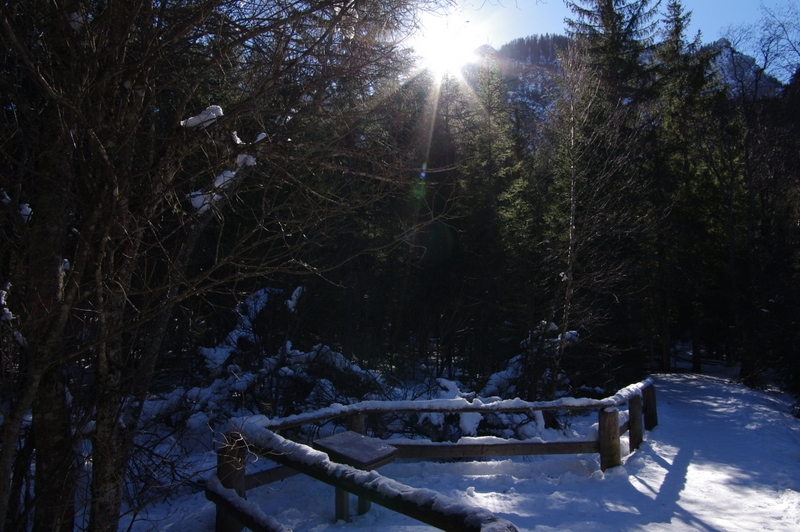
(445, 43)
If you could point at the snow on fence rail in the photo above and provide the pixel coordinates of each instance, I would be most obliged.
(422, 504)
(227, 489)
(444, 406)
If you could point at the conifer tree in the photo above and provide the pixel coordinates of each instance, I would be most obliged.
(616, 34)
(683, 253)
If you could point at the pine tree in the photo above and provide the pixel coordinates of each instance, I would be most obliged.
(616, 34)
(683, 252)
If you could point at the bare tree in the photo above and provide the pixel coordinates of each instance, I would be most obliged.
(595, 210)
(130, 191)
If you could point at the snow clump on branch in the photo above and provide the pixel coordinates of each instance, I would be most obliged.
(201, 200)
(207, 117)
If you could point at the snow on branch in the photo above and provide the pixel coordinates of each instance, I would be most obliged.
(291, 303)
(204, 119)
(245, 326)
(203, 199)
(5, 314)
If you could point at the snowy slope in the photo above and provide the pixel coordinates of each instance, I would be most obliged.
(723, 458)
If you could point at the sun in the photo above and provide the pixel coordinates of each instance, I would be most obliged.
(445, 43)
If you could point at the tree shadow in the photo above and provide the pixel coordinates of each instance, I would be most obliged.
(726, 442)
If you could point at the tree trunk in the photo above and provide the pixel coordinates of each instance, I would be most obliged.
(109, 456)
(51, 296)
(55, 477)
(18, 519)
(697, 356)
(116, 425)
(12, 430)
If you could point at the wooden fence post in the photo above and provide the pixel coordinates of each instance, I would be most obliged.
(650, 409)
(608, 436)
(357, 423)
(635, 422)
(230, 472)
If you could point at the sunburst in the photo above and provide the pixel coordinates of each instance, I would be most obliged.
(446, 43)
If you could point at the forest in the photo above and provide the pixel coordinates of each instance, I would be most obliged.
(265, 206)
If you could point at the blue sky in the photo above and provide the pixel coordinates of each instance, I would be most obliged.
(499, 21)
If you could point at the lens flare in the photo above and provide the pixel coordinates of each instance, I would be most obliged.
(445, 43)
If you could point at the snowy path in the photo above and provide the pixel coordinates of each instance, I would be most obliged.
(723, 458)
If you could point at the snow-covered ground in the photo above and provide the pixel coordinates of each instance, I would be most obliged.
(723, 458)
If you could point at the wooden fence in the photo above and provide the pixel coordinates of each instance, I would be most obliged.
(259, 435)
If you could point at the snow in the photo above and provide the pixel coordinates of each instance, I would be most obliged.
(75, 21)
(204, 119)
(223, 178)
(291, 303)
(25, 211)
(248, 311)
(245, 160)
(469, 422)
(201, 200)
(501, 381)
(723, 458)
(21, 341)
(5, 314)
(8, 316)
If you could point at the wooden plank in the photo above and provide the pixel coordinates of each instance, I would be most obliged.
(363, 505)
(323, 417)
(268, 476)
(458, 406)
(356, 450)
(357, 423)
(341, 504)
(417, 503)
(478, 450)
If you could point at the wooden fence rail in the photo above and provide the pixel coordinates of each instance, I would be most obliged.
(422, 504)
(228, 488)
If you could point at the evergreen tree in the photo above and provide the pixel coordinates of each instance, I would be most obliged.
(616, 35)
(535, 49)
(487, 166)
(684, 253)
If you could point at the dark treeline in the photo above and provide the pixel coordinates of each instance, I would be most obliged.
(536, 49)
(579, 208)
(643, 194)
